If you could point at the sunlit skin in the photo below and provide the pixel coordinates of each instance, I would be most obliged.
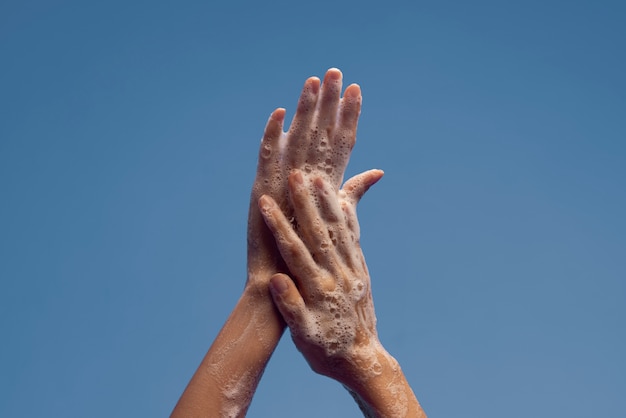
(316, 150)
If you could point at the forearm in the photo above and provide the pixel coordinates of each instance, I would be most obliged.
(225, 381)
(383, 391)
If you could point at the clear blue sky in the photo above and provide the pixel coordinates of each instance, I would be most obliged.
(496, 240)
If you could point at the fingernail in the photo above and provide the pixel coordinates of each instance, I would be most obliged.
(265, 203)
(297, 177)
(279, 284)
(319, 183)
(278, 114)
(334, 73)
(352, 91)
(313, 83)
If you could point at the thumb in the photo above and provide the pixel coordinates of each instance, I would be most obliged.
(356, 186)
(287, 299)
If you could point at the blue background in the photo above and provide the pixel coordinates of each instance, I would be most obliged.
(496, 241)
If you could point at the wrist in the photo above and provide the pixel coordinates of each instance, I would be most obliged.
(380, 387)
(366, 363)
(257, 285)
(257, 297)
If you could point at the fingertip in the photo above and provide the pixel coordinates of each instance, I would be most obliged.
(333, 74)
(313, 84)
(377, 174)
(273, 128)
(296, 178)
(287, 298)
(318, 182)
(265, 203)
(353, 91)
(371, 177)
(358, 185)
(280, 283)
(279, 114)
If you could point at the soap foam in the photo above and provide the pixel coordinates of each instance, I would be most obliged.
(237, 395)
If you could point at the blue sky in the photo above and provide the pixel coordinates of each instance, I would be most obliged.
(496, 240)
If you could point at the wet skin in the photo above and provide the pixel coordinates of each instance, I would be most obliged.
(306, 232)
(319, 140)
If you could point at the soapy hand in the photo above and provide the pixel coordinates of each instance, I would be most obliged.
(330, 312)
(320, 139)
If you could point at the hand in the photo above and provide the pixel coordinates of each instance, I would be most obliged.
(319, 140)
(330, 313)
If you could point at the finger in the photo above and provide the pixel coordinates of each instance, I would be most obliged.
(344, 137)
(298, 134)
(349, 245)
(316, 233)
(356, 186)
(327, 199)
(350, 239)
(319, 156)
(349, 116)
(288, 300)
(338, 222)
(329, 100)
(292, 249)
(350, 110)
(269, 152)
(306, 212)
(271, 137)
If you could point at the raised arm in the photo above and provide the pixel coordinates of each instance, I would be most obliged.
(328, 305)
(319, 140)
